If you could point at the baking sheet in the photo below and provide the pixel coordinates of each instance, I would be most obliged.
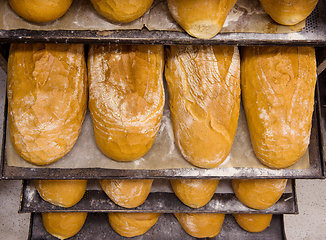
(161, 199)
(166, 228)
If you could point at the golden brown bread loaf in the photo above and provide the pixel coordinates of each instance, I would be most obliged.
(201, 225)
(258, 193)
(204, 100)
(128, 193)
(200, 18)
(122, 11)
(288, 12)
(40, 10)
(47, 99)
(126, 98)
(63, 225)
(132, 224)
(63, 193)
(194, 193)
(253, 222)
(278, 87)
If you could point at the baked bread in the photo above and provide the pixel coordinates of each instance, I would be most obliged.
(122, 11)
(133, 223)
(63, 193)
(259, 193)
(288, 12)
(194, 193)
(278, 87)
(126, 98)
(201, 225)
(253, 222)
(128, 193)
(47, 99)
(40, 11)
(200, 18)
(63, 225)
(204, 99)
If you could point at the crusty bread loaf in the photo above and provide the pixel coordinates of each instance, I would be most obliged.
(288, 12)
(40, 10)
(126, 98)
(204, 100)
(122, 11)
(258, 193)
(132, 224)
(278, 87)
(253, 222)
(63, 225)
(194, 193)
(200, 18)
(201, 225)
(128, 193)
(63, 193)
(47, 99)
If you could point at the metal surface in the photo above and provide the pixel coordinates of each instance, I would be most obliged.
(166, 228)
(313, 34)
(3, 84)
(163, 202)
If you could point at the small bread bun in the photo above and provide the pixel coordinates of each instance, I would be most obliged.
(132, 224)
(288, 12)
(63, 225)
(259, 193)
(122, 11)
(201, 225)
(253, 222)
(194, 193)
(128, 193)
(63, 193)
(200, 18)
(40, 11)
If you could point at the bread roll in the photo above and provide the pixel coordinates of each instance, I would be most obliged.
(63, 225)
(259, 193)
(278, 87)
(253, 222)
(132, 224)
(63, 193)
(194, 193)
(126, 98)
(204, 100)
(201, 225)
(128, 193)
(47, 92)
(122, 11)
(288, 12)
(200, 18)
(40, 11)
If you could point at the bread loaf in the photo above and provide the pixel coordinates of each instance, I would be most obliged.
(63, 193)
(204, 100)
(132, 224)
(122, 11)
(258, 193)
(63, 225)
(253, 222)
(128, 193)
(126, 98)
(201, 225)
(47, 99)
(288, 12)
(200, 18)
(278, 87)
(40, 11)
(194, 193)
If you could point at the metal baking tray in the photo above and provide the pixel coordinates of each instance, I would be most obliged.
(161, 199)
(313, 34)
(166, 228)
